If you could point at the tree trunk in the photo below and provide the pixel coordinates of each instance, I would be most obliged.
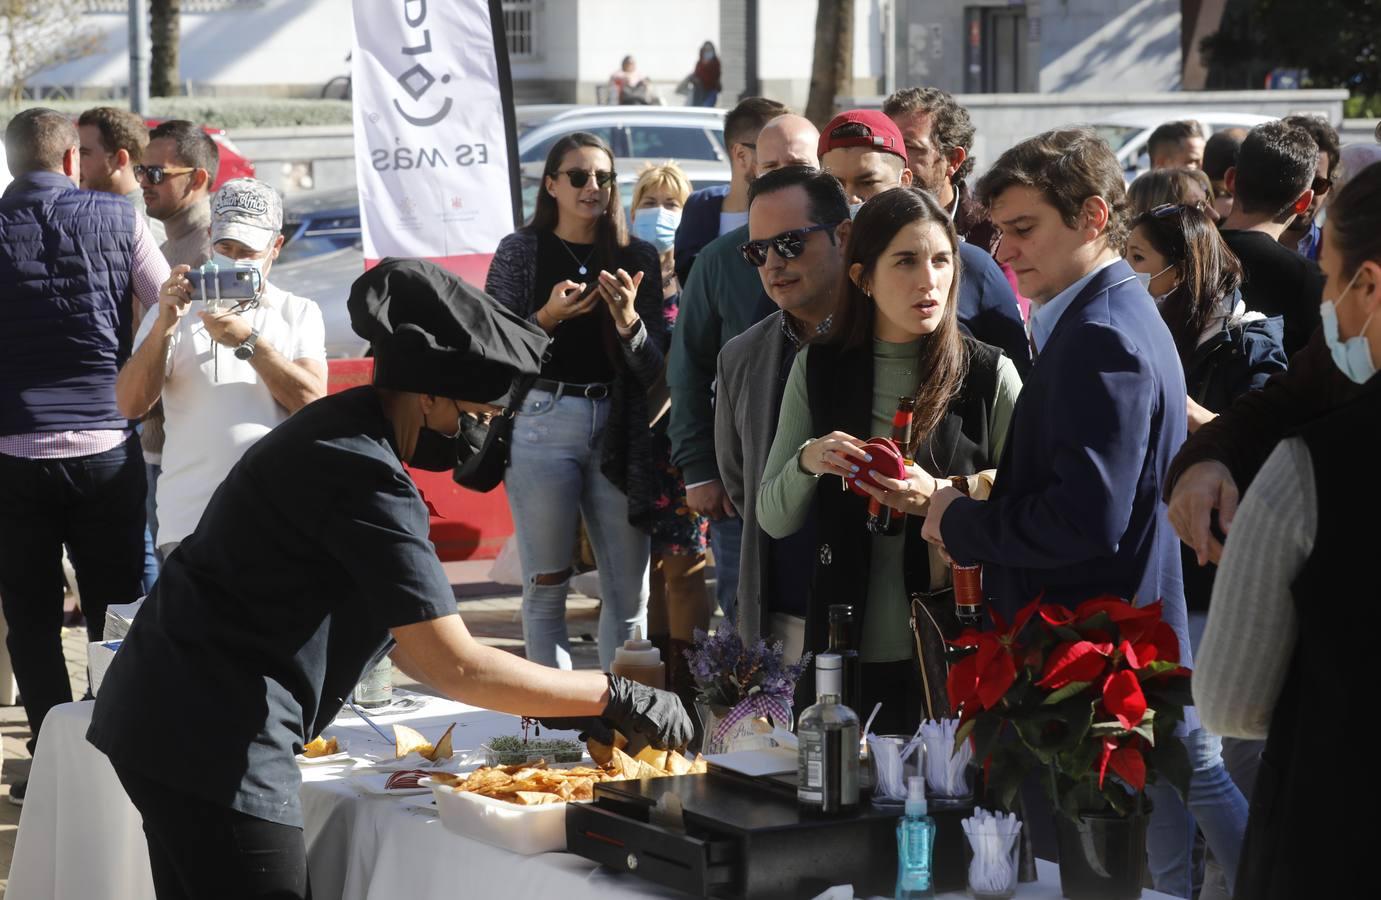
(832, 67)
(165, 32)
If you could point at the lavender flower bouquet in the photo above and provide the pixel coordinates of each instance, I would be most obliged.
(738, 684)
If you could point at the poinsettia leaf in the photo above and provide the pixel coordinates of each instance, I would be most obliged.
(1170, 760)
(1157, 667)
(1163, 693)
(1147, 727)
(1066, 633)
(1116, 797)
(1056, 615)
(1080, 661)
(1107, 728)
(962, 734)
(1064, 693)
(995, 679)
(1099, 624)
(1123, 698)
(985, 732)
(1129, 765)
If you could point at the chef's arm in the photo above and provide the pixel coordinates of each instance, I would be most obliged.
(442, 654)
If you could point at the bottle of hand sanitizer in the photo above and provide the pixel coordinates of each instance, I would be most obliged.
(915, 841)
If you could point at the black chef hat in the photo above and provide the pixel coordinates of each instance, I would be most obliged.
(433, 333)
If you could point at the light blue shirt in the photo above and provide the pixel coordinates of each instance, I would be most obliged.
(1045, 317)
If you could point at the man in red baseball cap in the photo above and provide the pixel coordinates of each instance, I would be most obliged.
(863, 149)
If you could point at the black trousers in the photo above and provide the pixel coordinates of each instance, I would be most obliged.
(201, 851)
(95, 506)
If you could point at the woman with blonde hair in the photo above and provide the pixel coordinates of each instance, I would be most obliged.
(678, 603)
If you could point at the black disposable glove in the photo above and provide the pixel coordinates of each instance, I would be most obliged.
(645, 715)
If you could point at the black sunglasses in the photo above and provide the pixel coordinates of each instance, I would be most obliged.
(581, 177)
(788, 244)
(1174, 209)
(156, 174)
(1321, 186)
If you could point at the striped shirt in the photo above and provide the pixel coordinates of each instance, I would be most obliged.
(149, 271)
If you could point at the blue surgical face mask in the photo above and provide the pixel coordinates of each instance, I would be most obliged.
(853, 210)
(1351, 356)
(1145, 279)
(657, 225)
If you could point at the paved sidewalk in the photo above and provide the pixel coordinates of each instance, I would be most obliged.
(490, 611)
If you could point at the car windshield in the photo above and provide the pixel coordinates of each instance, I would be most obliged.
(1117, 136)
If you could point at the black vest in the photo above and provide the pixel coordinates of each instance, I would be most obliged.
(840, 386)
(1301, 838)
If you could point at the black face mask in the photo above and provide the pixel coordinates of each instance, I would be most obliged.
(434, 452)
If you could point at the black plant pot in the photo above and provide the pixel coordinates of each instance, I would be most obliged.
(1102, 856)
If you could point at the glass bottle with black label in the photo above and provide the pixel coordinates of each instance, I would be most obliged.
(842, 643)
(827, 736)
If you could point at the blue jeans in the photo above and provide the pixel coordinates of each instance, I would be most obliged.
(554, 471)
(151, 558)
(726, 538)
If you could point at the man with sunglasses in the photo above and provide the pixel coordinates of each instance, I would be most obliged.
(1272, 184)
(227, 374)
(1305, 233)
(176, 175)
(798, 225)
(721, 299)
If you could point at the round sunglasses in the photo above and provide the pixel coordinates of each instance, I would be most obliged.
(788, 244)
(581, 177)
(156, 174)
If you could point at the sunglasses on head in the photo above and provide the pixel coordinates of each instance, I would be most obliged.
(1174, 209)
(156, 174)
(581, 177)
(788, 244)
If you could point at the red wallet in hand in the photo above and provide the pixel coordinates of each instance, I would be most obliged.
(887, 460)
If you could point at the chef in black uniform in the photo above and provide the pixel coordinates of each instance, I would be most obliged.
(310, 560)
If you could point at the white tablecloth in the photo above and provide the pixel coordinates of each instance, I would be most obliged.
(80, 838)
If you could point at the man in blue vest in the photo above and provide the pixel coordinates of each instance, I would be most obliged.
(76, 269)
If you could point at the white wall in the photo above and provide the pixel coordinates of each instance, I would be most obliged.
(293, 42)
(1102, 45)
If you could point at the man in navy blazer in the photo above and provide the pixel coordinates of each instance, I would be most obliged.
(1075, 510)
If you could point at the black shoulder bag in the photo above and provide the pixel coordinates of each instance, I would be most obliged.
(482, 450)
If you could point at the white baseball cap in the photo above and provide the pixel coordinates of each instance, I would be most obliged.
(248, 211)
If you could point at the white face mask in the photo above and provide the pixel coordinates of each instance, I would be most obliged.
(1351, 356)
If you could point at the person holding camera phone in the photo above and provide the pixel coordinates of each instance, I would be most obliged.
(581, 440)
(229, 369)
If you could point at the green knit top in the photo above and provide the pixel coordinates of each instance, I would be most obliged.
(787, 491)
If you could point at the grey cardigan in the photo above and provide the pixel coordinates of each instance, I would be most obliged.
(626, 452)
(748, 393)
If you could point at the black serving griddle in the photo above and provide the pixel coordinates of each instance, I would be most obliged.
(742, 838)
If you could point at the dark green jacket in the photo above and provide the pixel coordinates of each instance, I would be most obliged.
(722, 299)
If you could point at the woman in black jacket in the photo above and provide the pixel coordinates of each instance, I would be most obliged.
(581, 441)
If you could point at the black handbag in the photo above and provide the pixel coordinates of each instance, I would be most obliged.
(482, 450)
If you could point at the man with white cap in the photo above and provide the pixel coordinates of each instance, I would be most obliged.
(228, 373)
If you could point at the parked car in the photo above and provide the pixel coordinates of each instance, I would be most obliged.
(635, 132)
(1128, 132)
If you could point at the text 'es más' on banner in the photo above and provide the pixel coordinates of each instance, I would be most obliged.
(435, 140)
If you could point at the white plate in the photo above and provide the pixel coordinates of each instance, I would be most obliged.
(380, 762)
(375, 784)
(339, 757)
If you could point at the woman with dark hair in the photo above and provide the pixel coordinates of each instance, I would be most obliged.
(1186, 266)
(1274, 664)
(895, 335)
(1159, 187)
(581, 441)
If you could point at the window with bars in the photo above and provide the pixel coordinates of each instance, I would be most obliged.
(520, 27)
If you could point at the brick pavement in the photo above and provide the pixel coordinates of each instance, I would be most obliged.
(491, 612)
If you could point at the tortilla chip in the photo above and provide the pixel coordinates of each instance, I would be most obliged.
(534, 798)
(699, 766)
(657, 759)
(600, 753)
(321, 747)
(619, 740)
(443, 747)
(677, 764)
(447, 778)
(624, 765)
(406, 740)
(646, 771)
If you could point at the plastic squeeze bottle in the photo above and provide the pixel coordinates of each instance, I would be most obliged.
(915, 842)
(637, 660)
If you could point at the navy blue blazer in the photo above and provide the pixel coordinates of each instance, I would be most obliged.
(699, 225)
(1075, 511)
(988, 308)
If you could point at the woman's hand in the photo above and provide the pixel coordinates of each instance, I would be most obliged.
(1198, 415)
(619, 291)
(836, 453)
(910, 495)
(565, 303)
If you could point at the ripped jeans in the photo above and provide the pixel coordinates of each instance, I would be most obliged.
(553, 472)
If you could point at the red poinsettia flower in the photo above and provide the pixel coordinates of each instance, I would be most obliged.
(1075, 661)
(979, 680)
(1056, 615)
(1125, 761)
(1122, 698)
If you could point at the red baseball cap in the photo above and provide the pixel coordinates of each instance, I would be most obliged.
(883, 134)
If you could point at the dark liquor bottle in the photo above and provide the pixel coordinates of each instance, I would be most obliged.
(884, 519)
(827, 755)
(844, 644)
(968, 580)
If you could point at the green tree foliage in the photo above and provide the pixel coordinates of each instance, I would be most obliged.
(1337, 42)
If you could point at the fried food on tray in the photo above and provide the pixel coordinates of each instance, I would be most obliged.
(407, 740)
(321, 747)
(534, 784)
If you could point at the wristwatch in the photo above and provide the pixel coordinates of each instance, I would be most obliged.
(246, 350)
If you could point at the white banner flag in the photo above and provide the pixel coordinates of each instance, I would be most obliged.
(434, 137)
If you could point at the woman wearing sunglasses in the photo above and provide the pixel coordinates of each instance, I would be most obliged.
(581, 442)
(895, 335)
